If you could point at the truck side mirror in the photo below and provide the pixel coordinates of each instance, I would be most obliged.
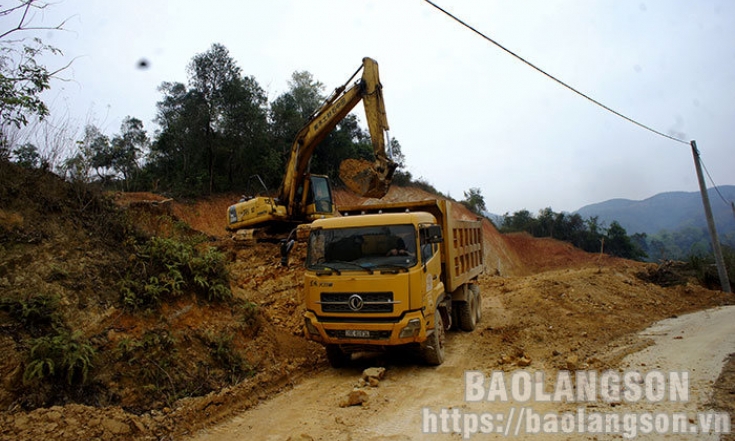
(434, 234)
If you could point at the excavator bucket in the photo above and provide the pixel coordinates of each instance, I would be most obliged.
(362, 178)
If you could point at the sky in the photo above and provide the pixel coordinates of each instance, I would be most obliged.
(466, 113)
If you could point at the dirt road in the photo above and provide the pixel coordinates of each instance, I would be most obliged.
(397, 409)
(697, 343)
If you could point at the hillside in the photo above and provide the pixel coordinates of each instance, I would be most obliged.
(191, 361)
(666, 211)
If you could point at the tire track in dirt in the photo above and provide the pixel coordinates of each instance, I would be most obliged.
(394, 409)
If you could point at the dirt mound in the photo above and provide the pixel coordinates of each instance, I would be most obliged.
(206, 215)
(543, 254)
(103, 369)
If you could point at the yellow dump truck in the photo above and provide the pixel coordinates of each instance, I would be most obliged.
(395, 275)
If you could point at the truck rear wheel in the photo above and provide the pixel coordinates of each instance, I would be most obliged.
(476, 291)
(337, 357)
(469, 312)
(432, 349)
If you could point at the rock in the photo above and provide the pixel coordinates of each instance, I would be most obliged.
(523, 361)
(116, 427)
(53, 416)
(354, 398)
(302, 437)
(373, 372)
(572, 362)
(21, 421)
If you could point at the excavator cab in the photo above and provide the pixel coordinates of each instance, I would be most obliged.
(317, 198)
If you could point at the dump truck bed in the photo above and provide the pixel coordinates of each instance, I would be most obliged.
(462, 253)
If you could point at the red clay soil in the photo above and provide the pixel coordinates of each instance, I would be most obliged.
(206, 215)
(544, 254)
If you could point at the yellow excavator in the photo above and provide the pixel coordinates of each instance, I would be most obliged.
(303, 197)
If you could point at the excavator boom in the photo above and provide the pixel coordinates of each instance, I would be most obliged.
(361, 177)
(303, 197)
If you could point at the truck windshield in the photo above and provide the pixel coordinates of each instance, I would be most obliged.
(349, 249)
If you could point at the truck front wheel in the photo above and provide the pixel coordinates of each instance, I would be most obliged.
(432, 349)
(337, 357)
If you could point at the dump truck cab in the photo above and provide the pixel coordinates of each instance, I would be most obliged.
(378, 280)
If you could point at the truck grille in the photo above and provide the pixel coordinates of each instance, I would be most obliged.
(374, 335)
(364, 302)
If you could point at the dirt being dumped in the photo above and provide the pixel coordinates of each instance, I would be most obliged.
(546, 306)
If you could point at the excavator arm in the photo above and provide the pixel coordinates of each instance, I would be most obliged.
(303, 197)
(363, 178)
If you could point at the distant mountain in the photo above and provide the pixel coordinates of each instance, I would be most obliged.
(666, 211)
(494, 218)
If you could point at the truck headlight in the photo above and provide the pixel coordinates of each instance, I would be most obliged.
(233, 215)
(310, 328)
(412, 328)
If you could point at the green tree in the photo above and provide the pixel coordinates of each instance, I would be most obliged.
(213, 132)
(288, 114)
(291, 110)
(545, 221)
(521, 220)
(588, 235)
(92, 153)
(211, 77)
(640, 240)
(219, 131)
(474, 200)
(618, 243)
(174, 158)
(245, 134)
(593, 237)
(127, 148)
(401, 176)
(97, 149)
(27, 156)
(22, 79)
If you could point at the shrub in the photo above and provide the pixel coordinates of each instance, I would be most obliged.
(224, 353)
(167, 268)
(705, 268)
(35, 312)
(65, 356)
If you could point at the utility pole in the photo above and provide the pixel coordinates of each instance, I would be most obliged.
(721, 270)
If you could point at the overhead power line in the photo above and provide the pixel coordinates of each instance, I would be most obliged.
(728, 203)
(650, 129)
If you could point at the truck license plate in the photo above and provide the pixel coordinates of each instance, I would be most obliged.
(357, 333)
